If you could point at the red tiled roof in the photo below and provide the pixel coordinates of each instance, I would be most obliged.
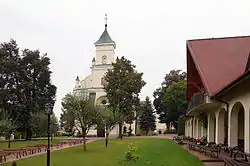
(219, 61)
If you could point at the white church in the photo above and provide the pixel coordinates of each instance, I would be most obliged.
(92, 85)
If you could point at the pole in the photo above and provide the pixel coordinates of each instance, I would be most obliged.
(48, 148)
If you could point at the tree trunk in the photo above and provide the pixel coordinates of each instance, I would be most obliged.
(9, 142)
(28, 134)
(136, 123)
(120, 130)
(107, 139)
(168, 126)
(84, 143)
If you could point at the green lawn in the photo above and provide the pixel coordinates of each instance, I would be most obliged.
(155, 152)
(22, 143)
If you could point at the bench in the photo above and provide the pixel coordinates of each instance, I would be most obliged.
(3, 156)
(238, 158)
(211, 148)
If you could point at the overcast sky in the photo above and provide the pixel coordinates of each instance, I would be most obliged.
(152, 34)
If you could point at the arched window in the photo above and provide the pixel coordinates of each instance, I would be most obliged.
(104, 59)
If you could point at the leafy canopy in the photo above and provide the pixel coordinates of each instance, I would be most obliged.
(25, 84)
(123, 86)
(170, 99)
(147, 118)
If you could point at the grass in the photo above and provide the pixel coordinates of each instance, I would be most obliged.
(154, 152)
(23, 143)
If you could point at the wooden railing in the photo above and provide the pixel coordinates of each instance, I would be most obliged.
(196, 100)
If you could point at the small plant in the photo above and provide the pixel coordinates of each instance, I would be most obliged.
(130, 154)
(14, 164)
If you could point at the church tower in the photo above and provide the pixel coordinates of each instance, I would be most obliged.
(93, 84)
(105, 48)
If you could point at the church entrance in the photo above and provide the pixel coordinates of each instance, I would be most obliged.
(100, 131)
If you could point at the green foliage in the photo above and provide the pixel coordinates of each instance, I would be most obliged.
(83, 110)
(130, 154)
(147, 118)
(14, 164)
(67, 121)
(39, 124)
(181, 126)
(123, 86)
(85, 113)
(25, 84)
(170, 99)
(110, 119)
(7, 124)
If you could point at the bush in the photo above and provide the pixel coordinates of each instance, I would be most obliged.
(127, 134)
(181, 126)
(66, 134)
(154, 133)
(170, 132)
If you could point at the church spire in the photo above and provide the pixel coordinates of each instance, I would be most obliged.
(105, 38)
(106, 20)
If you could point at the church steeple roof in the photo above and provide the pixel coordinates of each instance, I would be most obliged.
(105, 38)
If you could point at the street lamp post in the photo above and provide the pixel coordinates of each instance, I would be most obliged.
(49, 108)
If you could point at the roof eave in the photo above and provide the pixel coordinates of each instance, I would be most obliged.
(101, 44)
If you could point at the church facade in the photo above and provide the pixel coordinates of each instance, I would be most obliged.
(92, 86)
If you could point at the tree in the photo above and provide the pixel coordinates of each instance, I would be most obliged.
(67, 121)
(25, 84)
(85, 113)
(7, 125)
(54, 125)
(138, 112)
(147, 118)
(170, 98)
(110, 119)
(124, 84)
(39, 123)
(175, 99)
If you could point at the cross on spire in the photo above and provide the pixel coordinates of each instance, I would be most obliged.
(106, 20)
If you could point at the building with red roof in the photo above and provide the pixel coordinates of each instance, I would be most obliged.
(218, 91)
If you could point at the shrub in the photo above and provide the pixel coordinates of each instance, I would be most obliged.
(130, 154)
(154, 133)
(170, 132)
(181, 126)
(14, 164)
